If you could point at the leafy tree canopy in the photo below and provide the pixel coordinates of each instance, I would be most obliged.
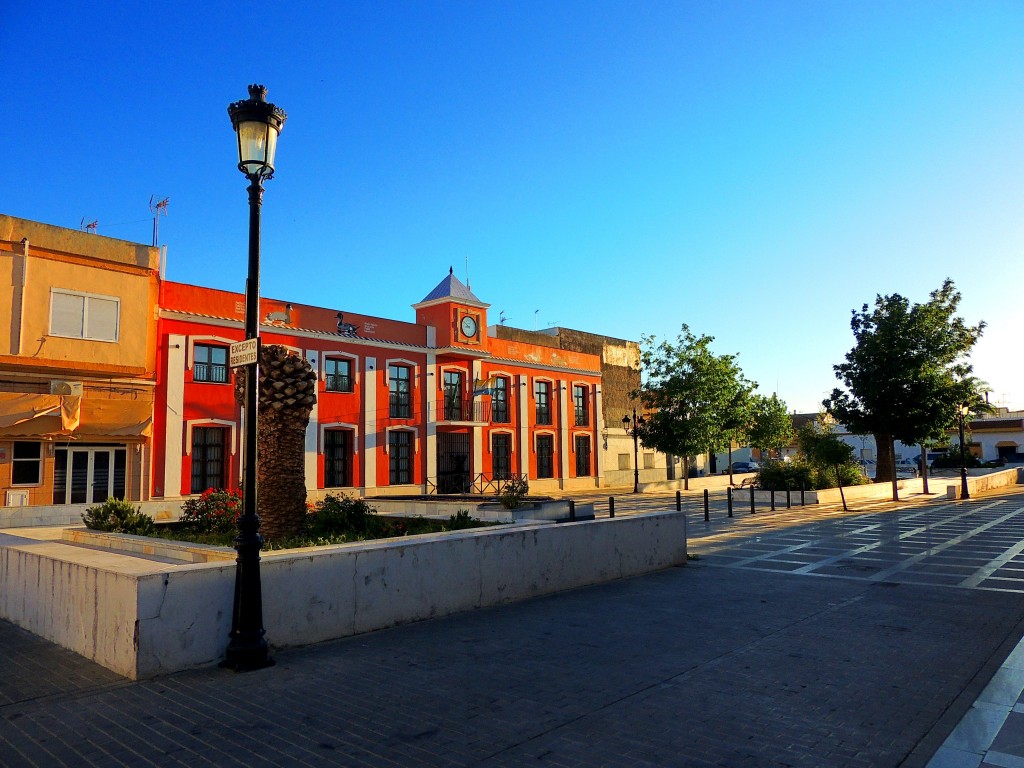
(694, 400)
(771, 426)
(904, 377)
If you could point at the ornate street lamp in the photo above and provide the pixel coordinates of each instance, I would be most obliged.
(257, 124)
(964, 491)
(632, 424)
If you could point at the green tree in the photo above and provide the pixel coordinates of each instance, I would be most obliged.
(969, 394)
(902, 376)
(771, 426)
(823, 448)
(694, 400)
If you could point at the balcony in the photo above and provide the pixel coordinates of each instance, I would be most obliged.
(463, 411)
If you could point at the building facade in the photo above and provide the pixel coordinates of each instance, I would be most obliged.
(438, 405)
(77, 365)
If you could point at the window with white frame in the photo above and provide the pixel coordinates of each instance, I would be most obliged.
(399, 391)
(581, 404)
(582, 456)
(400, 444)
(27, 463)
(77, 315)
(337, 374)
(499, 401)
(542, 398)
(545, 456)
(210, 364)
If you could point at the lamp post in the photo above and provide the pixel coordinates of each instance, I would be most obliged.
(964, 491)
(257, 124)
(628, 424)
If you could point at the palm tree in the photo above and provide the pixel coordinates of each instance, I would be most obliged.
(287, 394)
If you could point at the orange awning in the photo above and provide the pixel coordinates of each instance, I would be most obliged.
(43, 416)
(116, 418)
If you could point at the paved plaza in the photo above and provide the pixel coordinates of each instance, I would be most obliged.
(803, 637)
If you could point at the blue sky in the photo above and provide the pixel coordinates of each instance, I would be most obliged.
(755, 170)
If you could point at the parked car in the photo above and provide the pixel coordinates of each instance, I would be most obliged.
(932, 456)
(740, 467)
(906, 468)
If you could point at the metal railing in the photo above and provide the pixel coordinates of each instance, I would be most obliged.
(338, 382)
(464, 482)
(213, 372)
(463, 409)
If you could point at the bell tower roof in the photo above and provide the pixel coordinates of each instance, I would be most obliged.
(451, 289)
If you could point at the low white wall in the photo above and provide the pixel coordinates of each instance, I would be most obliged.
(988, 482)
(142, 618)
(711, 482)
(71, 514)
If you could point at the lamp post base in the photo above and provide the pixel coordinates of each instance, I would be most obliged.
(247, 658)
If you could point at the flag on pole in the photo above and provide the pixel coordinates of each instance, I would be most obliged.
(484, 386)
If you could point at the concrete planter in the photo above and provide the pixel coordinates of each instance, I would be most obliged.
(141, 617)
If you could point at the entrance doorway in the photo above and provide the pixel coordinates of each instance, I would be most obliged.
(453, 462)
(87, 474)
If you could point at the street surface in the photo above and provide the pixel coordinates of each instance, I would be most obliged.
(805, 637)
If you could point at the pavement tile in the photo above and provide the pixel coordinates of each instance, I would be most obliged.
(721, 663)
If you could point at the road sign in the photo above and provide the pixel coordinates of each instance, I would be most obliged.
(243, 353)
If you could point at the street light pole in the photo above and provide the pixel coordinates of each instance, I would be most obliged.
(257, 124)
(636, 447)
(965, 492)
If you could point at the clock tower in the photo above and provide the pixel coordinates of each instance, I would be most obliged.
(458, 315)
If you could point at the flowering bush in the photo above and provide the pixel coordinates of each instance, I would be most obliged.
(337, 515)
(215, 511)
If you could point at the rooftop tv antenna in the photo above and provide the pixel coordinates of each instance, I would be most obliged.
(89, 227)
(501, 317)
(157, 206)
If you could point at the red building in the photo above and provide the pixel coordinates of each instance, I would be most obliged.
(436, 406)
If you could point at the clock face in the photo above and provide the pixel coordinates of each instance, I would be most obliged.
(468, 326)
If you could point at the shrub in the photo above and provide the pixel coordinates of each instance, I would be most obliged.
(215, 511)
(513, 493)
(461, 520)
(340, 515)
(780, 475)
(118, 516)
(951, 459)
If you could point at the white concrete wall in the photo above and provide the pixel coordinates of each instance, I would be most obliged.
(142, 618)
(71, 514)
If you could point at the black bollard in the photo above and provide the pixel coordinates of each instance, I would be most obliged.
(728, 494)
(707, 509)
(802, 493)
(789, 504)
(773, 499)
(679, 501)
(752, 500)
(611, 506)
(572, 510)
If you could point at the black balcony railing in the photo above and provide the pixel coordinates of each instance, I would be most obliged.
(338, 382)
(400, 405)
(210, 372)
(481, 483)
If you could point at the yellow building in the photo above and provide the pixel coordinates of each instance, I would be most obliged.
(77, 364)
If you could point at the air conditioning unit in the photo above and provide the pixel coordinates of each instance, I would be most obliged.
(66, 388)
(16, 499)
